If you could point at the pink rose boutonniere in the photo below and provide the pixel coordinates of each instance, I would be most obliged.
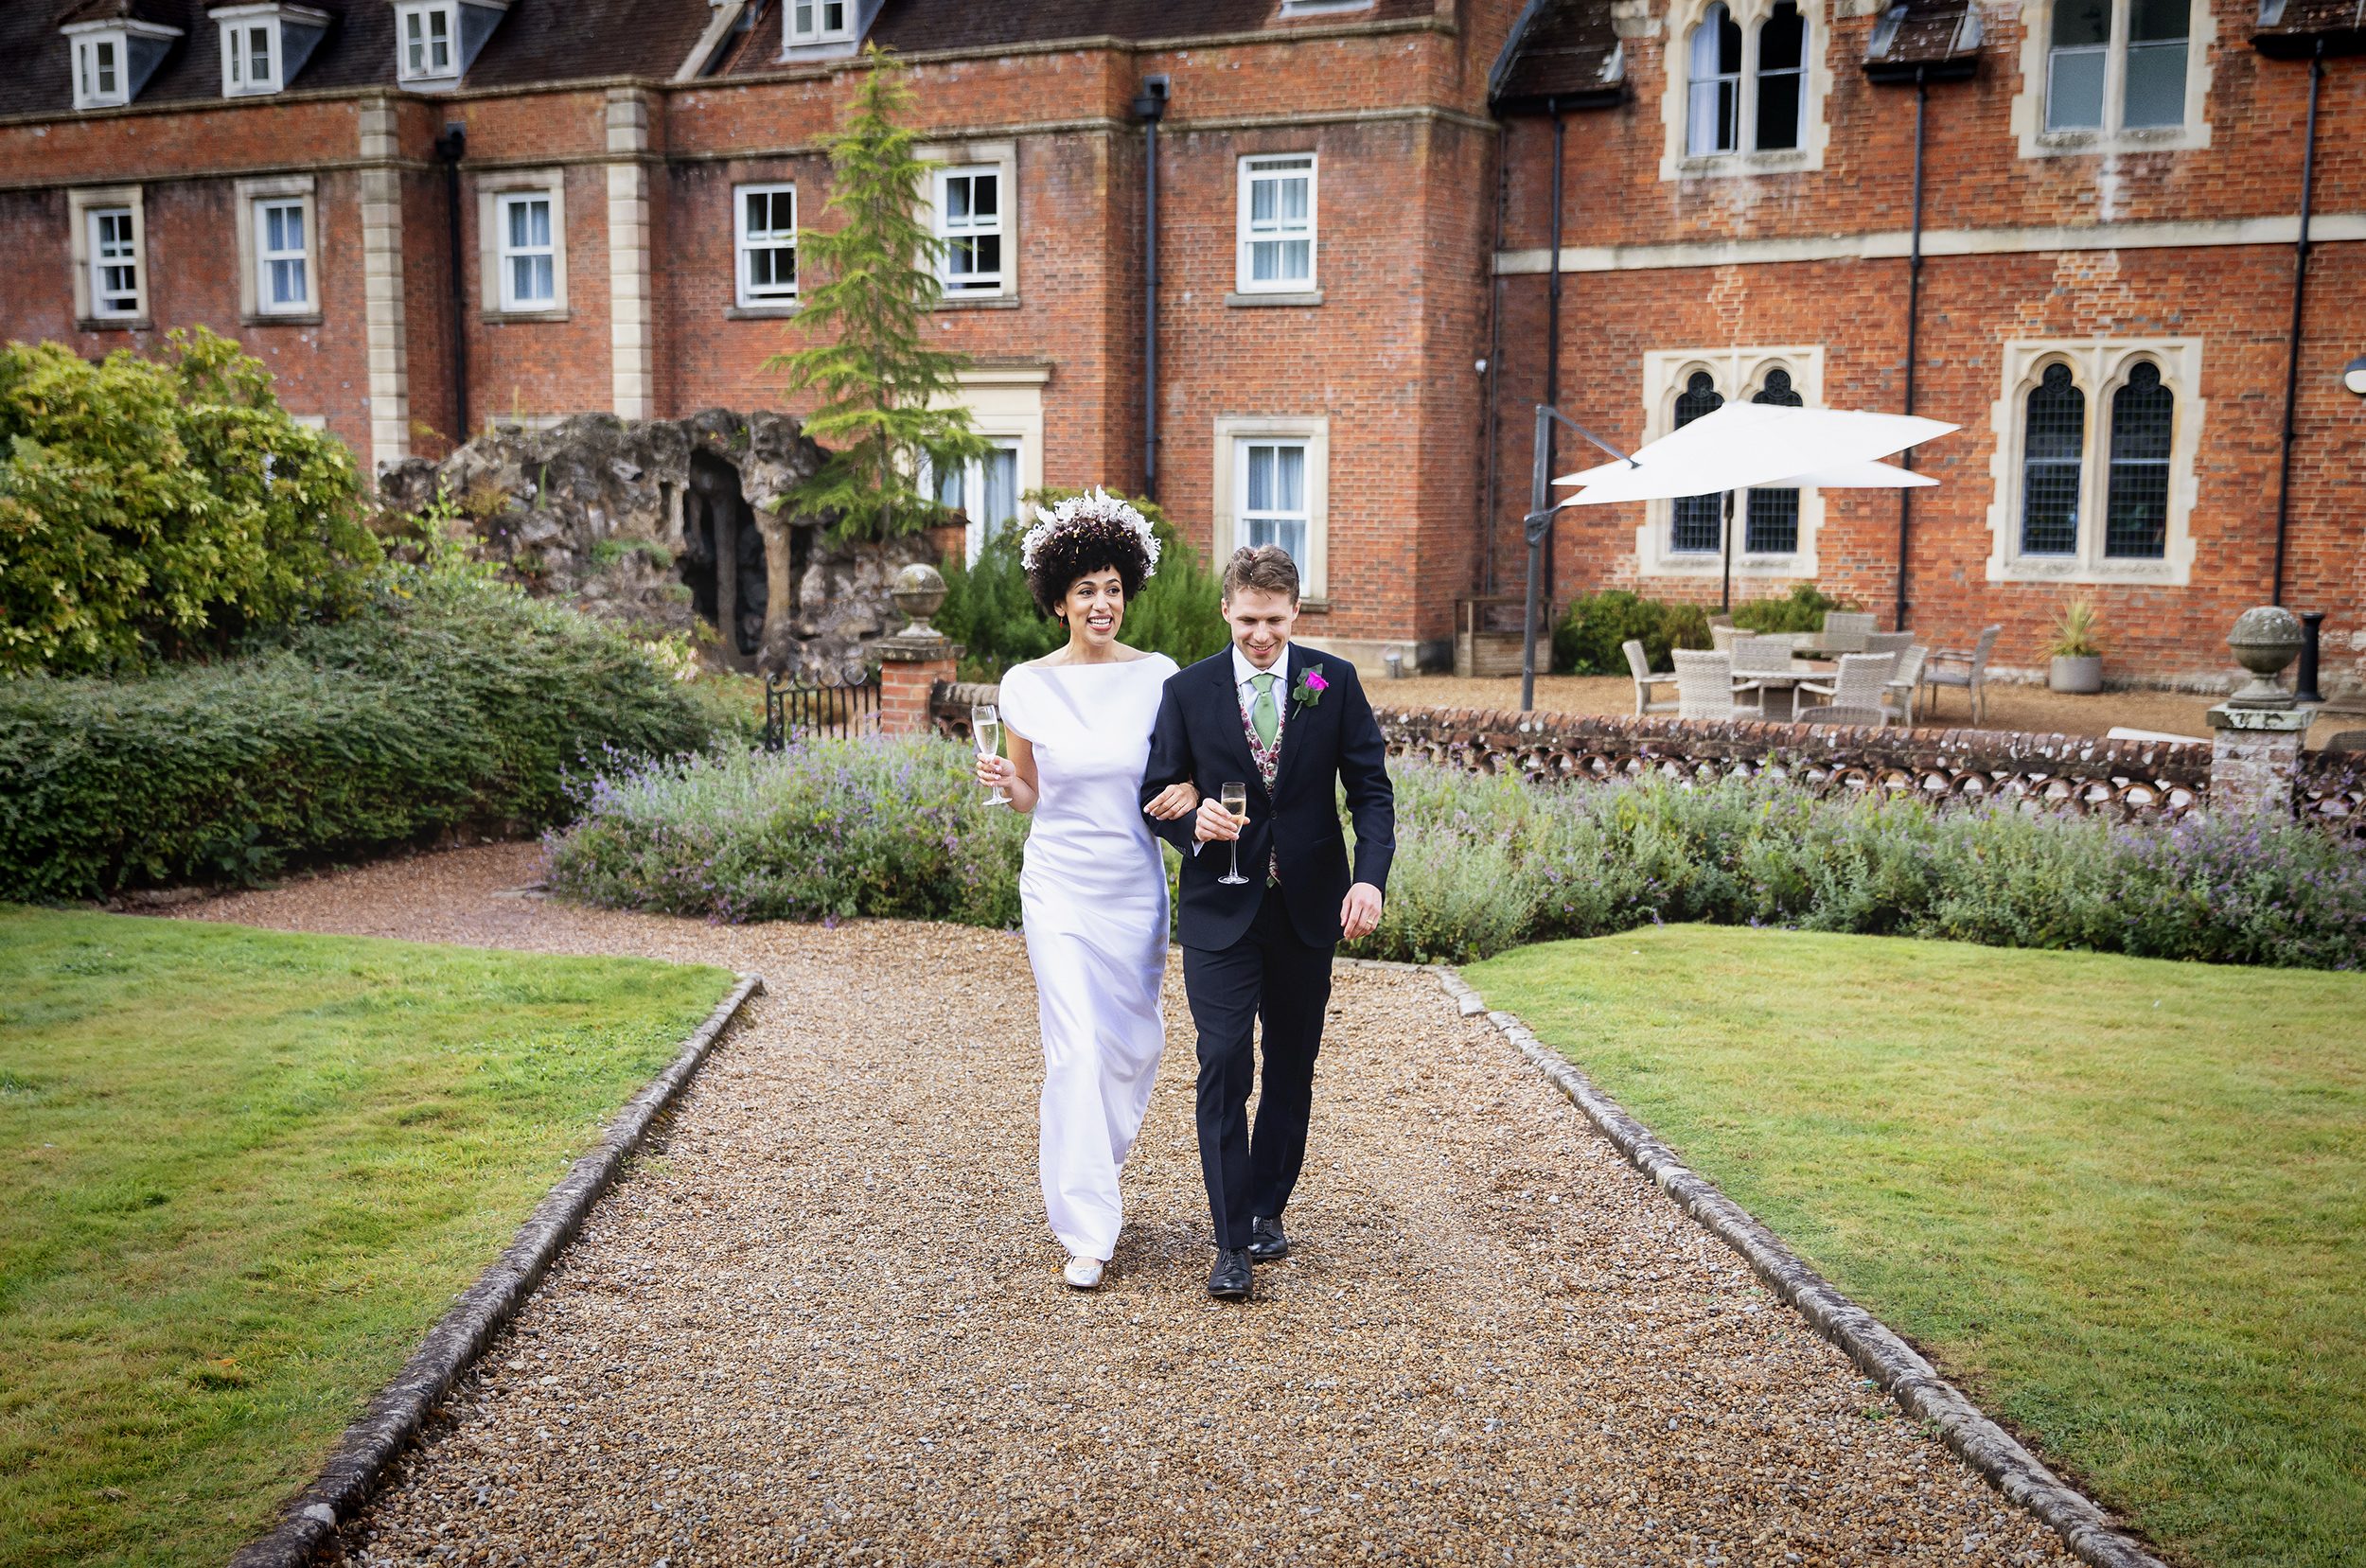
(1311, 685)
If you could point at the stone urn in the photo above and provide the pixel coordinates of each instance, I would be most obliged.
(919, 593)
(2265, 640)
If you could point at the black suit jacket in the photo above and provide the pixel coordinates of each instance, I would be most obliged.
(1326, 744)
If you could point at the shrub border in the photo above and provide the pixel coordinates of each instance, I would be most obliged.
(1884, 1355)
(370, 1446)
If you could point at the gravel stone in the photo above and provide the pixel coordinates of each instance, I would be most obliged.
(821, 1321)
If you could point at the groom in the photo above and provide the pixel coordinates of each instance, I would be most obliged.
(1293, 725)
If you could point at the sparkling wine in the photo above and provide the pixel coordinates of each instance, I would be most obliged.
(1234, 798)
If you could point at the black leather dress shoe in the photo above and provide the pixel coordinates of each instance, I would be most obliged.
(1229, 1280)
(1265, 1241)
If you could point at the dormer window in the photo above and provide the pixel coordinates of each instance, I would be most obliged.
(264, 44)
(113, 59)
(97, 71)
(249, 56)
(428, 37)
(819, 21)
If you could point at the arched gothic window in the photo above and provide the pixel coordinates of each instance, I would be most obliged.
(1781, 76)
(1714, 109)
(2052, 440)
(1772, 518)
(2136, 510)
(1699, 519)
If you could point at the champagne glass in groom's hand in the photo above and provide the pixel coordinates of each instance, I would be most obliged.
(1235, 798)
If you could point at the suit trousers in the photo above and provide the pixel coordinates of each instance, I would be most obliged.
(1269, 975)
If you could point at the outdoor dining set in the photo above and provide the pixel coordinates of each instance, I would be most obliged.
(1848, 673)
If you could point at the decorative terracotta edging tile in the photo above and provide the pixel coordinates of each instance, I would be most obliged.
(369, 1446)
(1885, 1358)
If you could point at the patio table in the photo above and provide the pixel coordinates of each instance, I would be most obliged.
(1786, 679)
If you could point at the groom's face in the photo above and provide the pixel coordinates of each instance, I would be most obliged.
(1260, 622)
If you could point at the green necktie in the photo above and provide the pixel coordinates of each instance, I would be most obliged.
(1262, 715)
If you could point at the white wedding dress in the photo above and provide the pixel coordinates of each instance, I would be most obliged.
(1094, 892)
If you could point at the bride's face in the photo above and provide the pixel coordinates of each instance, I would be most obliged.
(1094, 608)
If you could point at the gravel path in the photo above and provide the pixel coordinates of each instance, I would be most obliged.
(821, 1322)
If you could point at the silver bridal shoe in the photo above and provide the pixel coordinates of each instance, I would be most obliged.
(1082, 1273)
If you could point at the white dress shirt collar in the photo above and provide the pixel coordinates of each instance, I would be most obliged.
(1244, 672)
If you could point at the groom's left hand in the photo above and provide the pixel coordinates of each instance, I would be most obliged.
(1359, 915)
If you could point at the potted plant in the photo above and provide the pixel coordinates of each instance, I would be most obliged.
(2077, 657)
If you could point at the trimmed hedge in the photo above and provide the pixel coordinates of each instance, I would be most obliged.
(447, 699)
(1589, 639)
(833, 829)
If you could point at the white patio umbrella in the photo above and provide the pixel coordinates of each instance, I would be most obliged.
(1741, 445)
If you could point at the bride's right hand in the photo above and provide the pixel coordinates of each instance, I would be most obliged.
(996, 772)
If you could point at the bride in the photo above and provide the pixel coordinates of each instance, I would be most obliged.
(1093, 888)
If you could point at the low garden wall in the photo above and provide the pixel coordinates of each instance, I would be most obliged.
(2151, 780)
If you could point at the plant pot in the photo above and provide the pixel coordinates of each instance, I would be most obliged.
(2082, 676)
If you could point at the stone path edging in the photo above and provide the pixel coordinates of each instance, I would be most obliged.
(1888, 1358)
(370, 1445)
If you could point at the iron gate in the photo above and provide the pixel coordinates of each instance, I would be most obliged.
(793, 712)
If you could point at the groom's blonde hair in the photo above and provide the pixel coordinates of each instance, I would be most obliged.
(1262, 569)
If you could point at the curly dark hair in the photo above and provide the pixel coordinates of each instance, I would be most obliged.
(1086, 546)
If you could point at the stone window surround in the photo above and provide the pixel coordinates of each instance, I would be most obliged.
(491, 187)
(1314, 430)
(1815, 131)
(2028, 110)
(1002, 156)
(1739, 375)
(250, 193)
(2100, 367)
(79, 205)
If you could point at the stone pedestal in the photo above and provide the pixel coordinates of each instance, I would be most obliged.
(2254, 754)
(911, 665)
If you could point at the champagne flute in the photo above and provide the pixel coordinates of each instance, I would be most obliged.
(1235, 798)
(986, 727)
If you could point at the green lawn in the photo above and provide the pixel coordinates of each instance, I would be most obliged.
(245, 1170)
(2122, 1201)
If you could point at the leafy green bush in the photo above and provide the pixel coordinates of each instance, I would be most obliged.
(870, 827)
(1802, 610)
(989, 610)
(1588, 640)
(159, 508)
(447, 698)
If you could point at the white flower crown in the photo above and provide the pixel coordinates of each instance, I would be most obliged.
(1094, 505)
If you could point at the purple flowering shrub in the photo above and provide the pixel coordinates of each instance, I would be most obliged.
(836, 829)
(826, 830)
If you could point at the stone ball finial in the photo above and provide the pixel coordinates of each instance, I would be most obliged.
(2265, 640)
(919, 593)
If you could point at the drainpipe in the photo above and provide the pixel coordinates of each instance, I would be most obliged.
(448, 148)
(2292, 353)
(1913, 322)
(1552, 333)
(1150, 107)
(1492, 367)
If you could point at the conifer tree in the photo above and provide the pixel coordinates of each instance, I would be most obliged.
(887, 397)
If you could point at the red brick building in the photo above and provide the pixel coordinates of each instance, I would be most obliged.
(429, 214)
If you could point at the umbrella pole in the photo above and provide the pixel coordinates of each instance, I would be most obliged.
(1725, 546)
(1536, 524)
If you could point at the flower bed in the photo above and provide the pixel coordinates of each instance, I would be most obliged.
(833, 829)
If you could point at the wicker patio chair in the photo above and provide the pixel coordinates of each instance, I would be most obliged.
(1722, 618)
(1844, 631)
(1964, 667)
(1887, 642)
(1721, 639)
(1646, 681)
(1860, 682)
(1897, 698)
(1869, 718)
(1759, 655)
(1705, 685)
